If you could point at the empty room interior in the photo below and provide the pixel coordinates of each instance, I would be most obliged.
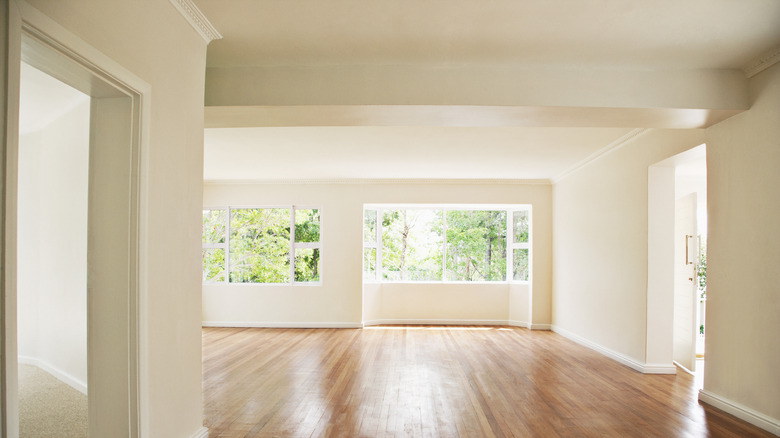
(390, 218)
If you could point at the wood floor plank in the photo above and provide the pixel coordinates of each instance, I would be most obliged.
(429, 381)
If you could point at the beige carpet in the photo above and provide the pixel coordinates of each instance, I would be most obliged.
(48, 407)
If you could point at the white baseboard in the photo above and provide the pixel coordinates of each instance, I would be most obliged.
(659, 368)
(435, 322)
(742, 412)
(282, 324)
(201, 433)
(60, 375)
(490, 322)
(614, 355)
(684, 368)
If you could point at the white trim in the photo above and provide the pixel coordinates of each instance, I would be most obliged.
(658, 368)
(614, 355)
(197, 20)
(740, 411)
(541, 327)
(114, 76)
(257, 324)
(684, 368)
(203, 432)
(57, 373)
(358, 181)
(436, 322)
(763, 63)
(615, 145)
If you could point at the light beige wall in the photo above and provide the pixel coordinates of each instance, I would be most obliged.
(468, 303)
(170, 56)
(743, 296)
(600, 243)
(340, 297)
(52, 252)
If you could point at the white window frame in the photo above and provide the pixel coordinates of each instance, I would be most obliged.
(224, 246)
(372, 245)
(511, 245)
(291, 253)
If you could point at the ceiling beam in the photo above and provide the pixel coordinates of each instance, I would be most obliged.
(476, 86)
(460, 116)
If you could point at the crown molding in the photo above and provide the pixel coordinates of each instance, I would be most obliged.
(615, 145)
(195, 17)
(769, 59)
(357, 181)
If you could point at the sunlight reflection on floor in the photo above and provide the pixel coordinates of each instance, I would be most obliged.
(423, 327)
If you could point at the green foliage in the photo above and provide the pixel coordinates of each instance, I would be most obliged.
(520, 264)
(411, 245)
(369, 225)
(520, 225)
(307, 225)
(701, 269)
(307, 264)
(214, 226)
(213, 265)
(259, 245)
(369, 263)
(476, 245)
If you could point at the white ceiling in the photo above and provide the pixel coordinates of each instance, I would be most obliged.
(592, 34)
(399, 152)
(43, 99)
(638, 33)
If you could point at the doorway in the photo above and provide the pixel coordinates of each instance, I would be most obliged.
(52, 256)
(690, 261)
(674, 316)
(118, 116)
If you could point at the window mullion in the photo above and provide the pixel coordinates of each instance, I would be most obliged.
(227, 245)
(378, 242)
(292, 245)
(444, 244)
(510, 253)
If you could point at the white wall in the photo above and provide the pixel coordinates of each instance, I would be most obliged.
(600, 244)
(341, 299)
(169, 55)
(743, 293)
(52, 257)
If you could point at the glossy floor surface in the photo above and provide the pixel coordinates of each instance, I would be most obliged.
(439, 382)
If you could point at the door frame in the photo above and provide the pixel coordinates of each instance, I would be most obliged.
(119, 139)
(659, 332)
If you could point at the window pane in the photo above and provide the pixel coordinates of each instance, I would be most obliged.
(476, 245)
(214, 226)
(259, 245)
(307, 225)
(369, 226)
(369, 263)
(520, 219)
(520, 270)
(412, 245)
(307, 264)
(213, 265)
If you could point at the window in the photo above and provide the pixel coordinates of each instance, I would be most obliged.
(520, 230)
(214, 233)
(456, 243)
(261, 245)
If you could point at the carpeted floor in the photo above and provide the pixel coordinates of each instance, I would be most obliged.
(48, 407)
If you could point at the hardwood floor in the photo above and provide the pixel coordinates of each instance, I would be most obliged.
(439, 382)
